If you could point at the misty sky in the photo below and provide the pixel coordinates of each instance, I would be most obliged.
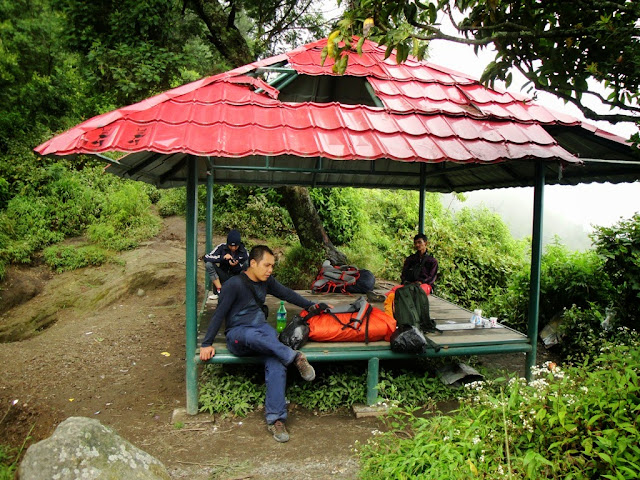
(569, 211)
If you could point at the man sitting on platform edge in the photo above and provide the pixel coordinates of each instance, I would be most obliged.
(248, 333)
(420, 267)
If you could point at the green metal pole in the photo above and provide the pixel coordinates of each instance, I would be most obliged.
(536, 255)
(423, 193)
(209, 223)
(192, 283)
(372, 380)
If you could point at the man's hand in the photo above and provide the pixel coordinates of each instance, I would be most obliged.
(227, 256)
(206, 353)
(318, 308)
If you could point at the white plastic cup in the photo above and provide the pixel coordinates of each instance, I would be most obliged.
(493, 321)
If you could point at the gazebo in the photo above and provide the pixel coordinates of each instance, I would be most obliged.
(288, 120)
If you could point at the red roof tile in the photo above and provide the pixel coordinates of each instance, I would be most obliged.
(429, 114)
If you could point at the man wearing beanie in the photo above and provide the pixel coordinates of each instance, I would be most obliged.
(225, 261)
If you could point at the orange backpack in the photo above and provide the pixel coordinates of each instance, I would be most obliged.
(375, 325)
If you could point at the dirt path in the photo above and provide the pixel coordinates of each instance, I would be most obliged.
(114, 351)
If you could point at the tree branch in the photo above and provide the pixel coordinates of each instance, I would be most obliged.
(587, 112)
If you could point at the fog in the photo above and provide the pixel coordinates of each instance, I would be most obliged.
(570, 212)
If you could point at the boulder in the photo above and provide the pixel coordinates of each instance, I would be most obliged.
(83, 448)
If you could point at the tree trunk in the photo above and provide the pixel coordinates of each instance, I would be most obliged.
(223, 33)
(308, 224)
(228, 40)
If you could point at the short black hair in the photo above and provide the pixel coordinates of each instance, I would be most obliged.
(420, 236)
(257, 253)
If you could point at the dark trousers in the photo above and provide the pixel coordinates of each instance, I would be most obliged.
(215, 272)
(263, 340)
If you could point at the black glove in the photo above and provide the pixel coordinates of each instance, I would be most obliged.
(318, 308)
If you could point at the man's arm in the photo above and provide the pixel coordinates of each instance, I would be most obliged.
(225, 301)
(276, 289)
(430, 271)
(216, 254)
(405, 269)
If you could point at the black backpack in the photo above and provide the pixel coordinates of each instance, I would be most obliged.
(411, 307)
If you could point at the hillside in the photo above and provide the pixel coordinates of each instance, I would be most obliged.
(100, 351)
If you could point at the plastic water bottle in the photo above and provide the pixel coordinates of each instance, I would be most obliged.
(476, 318)
(281, 317)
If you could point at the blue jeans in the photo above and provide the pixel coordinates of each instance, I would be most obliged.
(262, 339)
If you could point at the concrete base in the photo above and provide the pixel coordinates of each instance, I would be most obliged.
(180, 415)
(361, 411)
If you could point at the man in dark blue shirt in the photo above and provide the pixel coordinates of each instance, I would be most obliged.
(248, 333)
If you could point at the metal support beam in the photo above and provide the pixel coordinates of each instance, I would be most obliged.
(191, 323)
(423, 193)
(373, 370)
(209, 223)
(536, 256)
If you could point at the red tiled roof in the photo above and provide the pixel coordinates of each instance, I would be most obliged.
(429, 114)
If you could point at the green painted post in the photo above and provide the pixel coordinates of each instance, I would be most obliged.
(423, 193)
(372, 380)
(209, 224)
(536, 256)
(192, 283)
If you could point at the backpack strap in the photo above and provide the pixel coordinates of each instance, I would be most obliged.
(259, 303)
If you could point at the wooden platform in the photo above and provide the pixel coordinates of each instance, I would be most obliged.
(456, 331)
(457, 337)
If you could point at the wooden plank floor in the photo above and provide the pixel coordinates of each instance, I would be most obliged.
(453, 317)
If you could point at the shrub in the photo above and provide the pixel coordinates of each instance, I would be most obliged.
(299, 267)
(341, 211)
(619, 248)
(172, 201)
(575, 423)
(126, 219)
(67, 257)
(567, 278)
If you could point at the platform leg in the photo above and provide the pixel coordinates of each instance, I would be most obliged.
(372, 380)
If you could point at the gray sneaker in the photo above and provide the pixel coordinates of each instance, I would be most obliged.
(304, 367)
(279, 431)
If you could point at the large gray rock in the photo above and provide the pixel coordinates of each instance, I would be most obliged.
(83, 448)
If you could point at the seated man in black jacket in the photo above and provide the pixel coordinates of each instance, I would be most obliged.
(420, 267)
(225, 261)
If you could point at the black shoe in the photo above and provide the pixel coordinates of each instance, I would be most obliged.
(279, 431)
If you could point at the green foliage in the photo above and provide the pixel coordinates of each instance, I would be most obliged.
(241, 389)
(237, 393)
(575, 423)
(567, 278)
(299, 267)
(62, 258)
(126, 219)
(619, 247)
(8, 466)
(254, 211)
(341, 212)
(477, 256)
(173, 201)
(597, 42)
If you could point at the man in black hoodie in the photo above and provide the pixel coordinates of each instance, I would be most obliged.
(225, 261)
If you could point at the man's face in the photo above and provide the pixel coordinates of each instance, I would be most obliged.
(420, 245)
(262, 270)
(233, 248)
